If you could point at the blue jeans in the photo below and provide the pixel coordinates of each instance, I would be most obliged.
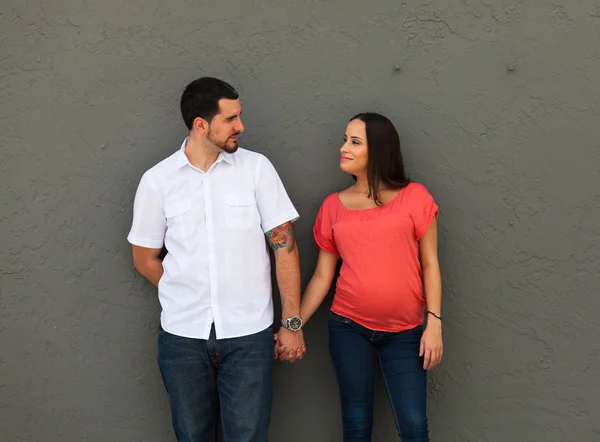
(234, 373)
(356, 351)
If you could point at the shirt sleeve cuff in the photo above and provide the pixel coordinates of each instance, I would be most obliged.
(290, 215)
(433, 212)
(145, 242)
(322, 245)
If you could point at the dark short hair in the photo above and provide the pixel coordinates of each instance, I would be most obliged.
(201, 98)
(384, 158)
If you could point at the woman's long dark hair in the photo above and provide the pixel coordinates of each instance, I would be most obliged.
(385, 165)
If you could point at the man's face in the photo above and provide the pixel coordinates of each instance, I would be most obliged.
(225, 127)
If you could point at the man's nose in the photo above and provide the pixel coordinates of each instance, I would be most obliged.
(240, 128)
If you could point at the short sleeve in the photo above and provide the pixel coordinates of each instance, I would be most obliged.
(323, 230)
(423, 209)
(149, 223)
(274, 204)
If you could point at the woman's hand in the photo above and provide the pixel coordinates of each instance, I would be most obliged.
(279, 350)
(432, 347)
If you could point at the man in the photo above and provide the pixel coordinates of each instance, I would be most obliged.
(211, 204)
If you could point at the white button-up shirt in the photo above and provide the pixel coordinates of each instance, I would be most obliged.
(218, 268)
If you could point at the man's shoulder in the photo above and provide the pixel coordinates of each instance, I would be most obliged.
(156, 177)
(164, 166)
(250, 159)
(249, 155)
(168, 163)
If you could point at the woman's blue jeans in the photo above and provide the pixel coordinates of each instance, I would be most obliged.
(356, 352)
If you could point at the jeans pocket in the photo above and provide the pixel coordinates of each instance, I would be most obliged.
(413, 334)
(339, 318)
(418, 328)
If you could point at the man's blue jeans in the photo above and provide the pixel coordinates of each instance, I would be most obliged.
(234, 373)
(356, 351)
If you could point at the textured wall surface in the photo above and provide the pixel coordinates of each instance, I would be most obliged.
(89, 95)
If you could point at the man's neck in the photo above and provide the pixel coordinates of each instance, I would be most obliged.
(201, 155)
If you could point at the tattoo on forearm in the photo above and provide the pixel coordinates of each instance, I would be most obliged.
(282, 237)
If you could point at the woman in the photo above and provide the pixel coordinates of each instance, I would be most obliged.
(384, 230)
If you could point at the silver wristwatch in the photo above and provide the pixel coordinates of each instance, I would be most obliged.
(294, 323)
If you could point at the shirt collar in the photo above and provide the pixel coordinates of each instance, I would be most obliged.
(182, 159)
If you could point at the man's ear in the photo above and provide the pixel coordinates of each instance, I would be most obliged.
(201, 125)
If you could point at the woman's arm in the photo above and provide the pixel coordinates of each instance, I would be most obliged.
(431, 343)
(319, 285)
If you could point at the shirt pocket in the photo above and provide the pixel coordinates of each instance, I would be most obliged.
(179, 222)
(240, 210)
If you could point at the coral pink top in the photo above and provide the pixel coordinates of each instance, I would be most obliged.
(380, 283)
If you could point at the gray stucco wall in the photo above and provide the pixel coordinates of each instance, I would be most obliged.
(89, 100)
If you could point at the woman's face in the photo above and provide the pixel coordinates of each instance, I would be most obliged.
(354, 152)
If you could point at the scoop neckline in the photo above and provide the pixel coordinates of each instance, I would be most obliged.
(337, 197)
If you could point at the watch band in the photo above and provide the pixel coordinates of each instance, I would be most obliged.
(287, 323)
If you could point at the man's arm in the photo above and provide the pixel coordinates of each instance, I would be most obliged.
(148, 263)
(287, 264)
(148, 229)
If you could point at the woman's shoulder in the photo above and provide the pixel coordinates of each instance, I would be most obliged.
(417, 190)
(330, 202)
(416, 196)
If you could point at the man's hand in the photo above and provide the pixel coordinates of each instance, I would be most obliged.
(289, 345)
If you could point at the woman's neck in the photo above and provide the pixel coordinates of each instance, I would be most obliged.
(362, 185)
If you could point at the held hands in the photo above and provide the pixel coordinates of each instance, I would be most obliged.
(432, 347)
(289, 345)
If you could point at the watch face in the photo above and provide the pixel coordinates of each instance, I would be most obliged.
(295, 323)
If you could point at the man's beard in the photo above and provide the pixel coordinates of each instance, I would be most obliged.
(223, 145)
